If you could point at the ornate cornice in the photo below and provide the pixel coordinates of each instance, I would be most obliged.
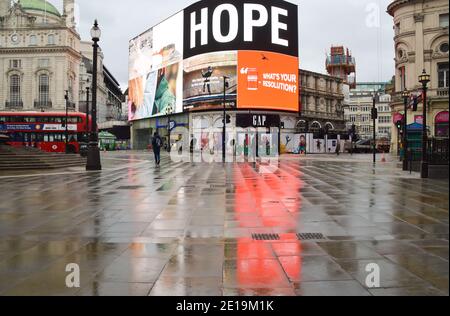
(395, 5)
(41, 50)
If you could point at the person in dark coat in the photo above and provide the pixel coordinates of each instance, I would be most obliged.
(157, 143)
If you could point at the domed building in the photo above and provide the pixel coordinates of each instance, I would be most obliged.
(39, 56)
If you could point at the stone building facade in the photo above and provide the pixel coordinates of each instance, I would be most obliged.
(322, 102)
(39, 56)
(42, 56)
(421, 42)
(359, 111)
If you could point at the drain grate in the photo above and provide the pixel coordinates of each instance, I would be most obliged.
(310, 236)
(131, 187)
(266, 237)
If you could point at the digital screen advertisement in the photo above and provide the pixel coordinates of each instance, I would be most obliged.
(204, 80)
(155, 63)
(264, 77)
(180, 64)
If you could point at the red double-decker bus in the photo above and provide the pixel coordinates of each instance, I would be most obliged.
(45, 131)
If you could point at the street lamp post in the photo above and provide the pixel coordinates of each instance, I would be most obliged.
(374, 120)
(93, 159)
(66, 123)
(225, 85)
(405, 96)
(424, 79)
(87, 113)
(169, 111)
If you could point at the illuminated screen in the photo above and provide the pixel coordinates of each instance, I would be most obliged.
(155, 67)
(180, 64)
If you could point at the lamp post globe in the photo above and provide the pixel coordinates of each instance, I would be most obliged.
(96, 32)
(424, 78)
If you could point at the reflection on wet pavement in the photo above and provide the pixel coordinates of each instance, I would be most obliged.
(188, 229)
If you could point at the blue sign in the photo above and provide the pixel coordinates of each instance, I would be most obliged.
(20, 127)
(172, 125)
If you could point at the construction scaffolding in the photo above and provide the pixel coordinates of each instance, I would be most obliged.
(341, 64)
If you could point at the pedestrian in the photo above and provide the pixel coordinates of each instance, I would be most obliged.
(338, 148)
(157, 144)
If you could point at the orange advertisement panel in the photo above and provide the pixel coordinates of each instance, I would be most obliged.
(267, 81)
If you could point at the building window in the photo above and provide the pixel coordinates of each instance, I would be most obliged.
(443, 75)
(444, 48)
(33, 40)
(441, 124)
(51, 39)
(384, 119)
(70, 88)
(397, 28)
(15, 64)
(402, 73)
(443, 20)
(14, 89)
(44, 89)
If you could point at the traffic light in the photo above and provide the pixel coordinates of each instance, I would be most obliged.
(399, 125)
(374, 113)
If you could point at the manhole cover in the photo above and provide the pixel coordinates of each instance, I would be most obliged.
(266, 237)
(310, 236)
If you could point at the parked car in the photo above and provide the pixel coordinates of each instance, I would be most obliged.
(363, 146)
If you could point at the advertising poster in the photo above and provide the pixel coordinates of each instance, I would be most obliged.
(155, 76)
(267, 81)
(204, 80)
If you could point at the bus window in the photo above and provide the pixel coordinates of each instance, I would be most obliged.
(39, 137)
(46, 138)
(51, 137)
(43, 119)
(30, 119)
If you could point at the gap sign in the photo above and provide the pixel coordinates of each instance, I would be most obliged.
(265, 25)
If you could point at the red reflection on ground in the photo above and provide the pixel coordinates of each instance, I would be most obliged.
(268, 203)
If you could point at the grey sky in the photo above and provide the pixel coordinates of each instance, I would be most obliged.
(322, 23)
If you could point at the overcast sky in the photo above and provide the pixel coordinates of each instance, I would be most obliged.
(361, 25)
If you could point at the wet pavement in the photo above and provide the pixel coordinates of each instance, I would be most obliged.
(194, 229)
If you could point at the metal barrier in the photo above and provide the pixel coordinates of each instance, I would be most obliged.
(438, 151)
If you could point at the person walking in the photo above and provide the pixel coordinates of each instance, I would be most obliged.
(338, 148)
(157, 144)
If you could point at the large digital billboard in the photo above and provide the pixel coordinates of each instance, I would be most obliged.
(263, 25)
(155, 67)
(182, 62)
